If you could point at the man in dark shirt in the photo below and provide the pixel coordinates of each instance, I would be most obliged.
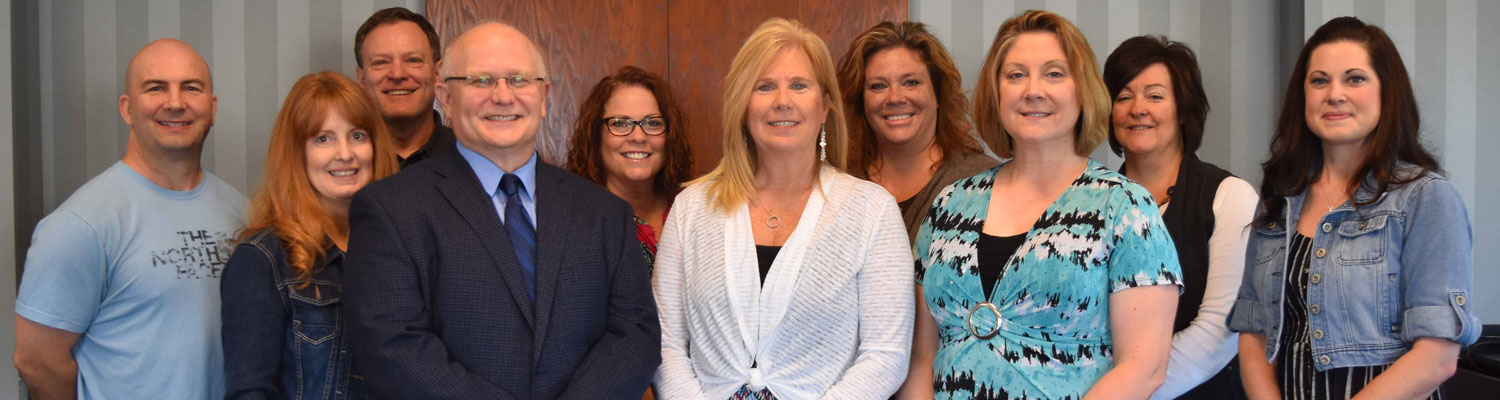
(396, 51)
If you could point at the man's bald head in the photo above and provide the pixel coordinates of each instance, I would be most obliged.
(169, 101)
(166, 51)
(499, 120)
(488, 33)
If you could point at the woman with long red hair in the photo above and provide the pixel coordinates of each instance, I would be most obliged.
(281, 288)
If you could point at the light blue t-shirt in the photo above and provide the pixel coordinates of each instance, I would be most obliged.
(134, 268)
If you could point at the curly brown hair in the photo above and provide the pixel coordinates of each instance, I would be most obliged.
(953, 126)
(584, 155)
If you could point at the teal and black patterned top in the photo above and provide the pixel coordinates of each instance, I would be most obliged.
(1051, 339)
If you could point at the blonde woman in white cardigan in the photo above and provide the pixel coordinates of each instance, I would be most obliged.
(778, 276)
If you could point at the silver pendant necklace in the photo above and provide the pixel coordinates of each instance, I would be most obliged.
(773, 222)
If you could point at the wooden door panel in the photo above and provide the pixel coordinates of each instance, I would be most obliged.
(704, 45)
(702, 48)
(581, 40)
(688, 42)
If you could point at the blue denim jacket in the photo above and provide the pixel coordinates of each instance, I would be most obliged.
(282, 340)
(1381, 276)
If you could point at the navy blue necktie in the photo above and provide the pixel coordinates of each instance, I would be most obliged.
(518, 227)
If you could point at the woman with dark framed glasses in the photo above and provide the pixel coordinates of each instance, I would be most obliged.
(631, 138)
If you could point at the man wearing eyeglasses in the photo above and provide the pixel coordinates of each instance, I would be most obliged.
(396, 55)
(483, 273)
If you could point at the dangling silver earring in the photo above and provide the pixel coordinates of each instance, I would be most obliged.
(823, 142)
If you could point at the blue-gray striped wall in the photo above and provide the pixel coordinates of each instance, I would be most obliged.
(256, 49)
(7, 204)
(1246, 49)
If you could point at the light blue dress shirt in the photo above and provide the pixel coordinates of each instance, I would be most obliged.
(489, 177)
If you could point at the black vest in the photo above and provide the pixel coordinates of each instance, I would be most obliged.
(1190, 221)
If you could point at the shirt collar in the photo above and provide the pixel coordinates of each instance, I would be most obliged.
(489, 174)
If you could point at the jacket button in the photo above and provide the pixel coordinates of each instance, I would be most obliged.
(1315, 278)
(1459, 300)
(1314, 308)
(1324, 360)
(1395, 328)
(1321, 252)
(1327, 227)
(1271, 225)
(1362, 224)
(1317, 334)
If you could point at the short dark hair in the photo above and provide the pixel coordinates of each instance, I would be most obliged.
(585, 158)
(1140, 52)
(1296, 153)
(390, 16)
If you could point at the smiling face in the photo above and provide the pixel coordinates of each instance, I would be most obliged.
(635, 158)
(1038, 98)
(339, 160)
(787, 107)
(168, 102)
(900, 100)
(1343, 93)
(398, 70)
(497, 120)
(1144, 116)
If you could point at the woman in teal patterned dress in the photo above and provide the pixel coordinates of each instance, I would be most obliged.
(1048, 276)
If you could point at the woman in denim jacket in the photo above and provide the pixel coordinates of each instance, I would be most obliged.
(1360, 256)
(283, 326)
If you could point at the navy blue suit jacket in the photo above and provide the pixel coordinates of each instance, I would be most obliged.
(438, 306)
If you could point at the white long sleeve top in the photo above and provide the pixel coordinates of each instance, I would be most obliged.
(833, 319)
(1206, 345)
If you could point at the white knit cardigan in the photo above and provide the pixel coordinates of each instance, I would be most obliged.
(833, 320)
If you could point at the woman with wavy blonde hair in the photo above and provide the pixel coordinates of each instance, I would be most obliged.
(779, 275)
(1048, 276)
(280, 289)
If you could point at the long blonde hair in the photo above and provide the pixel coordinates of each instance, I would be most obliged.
(732, 182)
(1093, 97)
(286, 201)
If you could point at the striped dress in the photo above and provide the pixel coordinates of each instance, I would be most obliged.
(1296, 374)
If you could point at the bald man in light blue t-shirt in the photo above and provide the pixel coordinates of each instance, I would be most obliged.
(119, 297)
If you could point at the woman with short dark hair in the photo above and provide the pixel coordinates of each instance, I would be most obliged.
(1360, 254)
(1157, 123)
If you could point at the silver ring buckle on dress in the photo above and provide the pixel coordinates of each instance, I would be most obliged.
(970, 320)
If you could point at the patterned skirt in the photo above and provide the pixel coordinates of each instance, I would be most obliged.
(746, 394)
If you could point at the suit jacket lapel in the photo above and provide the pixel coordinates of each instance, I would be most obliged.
(462, 189)
(554, 222)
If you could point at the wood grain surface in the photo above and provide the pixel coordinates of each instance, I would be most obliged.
(688, 42)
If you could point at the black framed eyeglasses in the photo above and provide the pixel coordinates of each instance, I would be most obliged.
(514, 82)
(621, 126)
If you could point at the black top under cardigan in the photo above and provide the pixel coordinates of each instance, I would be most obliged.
(1190, 222)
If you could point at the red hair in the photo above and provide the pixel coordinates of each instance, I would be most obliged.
(286, 201)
